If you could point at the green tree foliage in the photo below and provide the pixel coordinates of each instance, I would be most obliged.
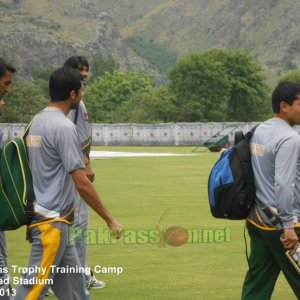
(220, 85)
(99, 66)
(291, 76)
(41, 79)
(201, 87)
(43, 73)
(248, 100)
(107, 93)
(25, 100)
(215, 85)
(155, 106)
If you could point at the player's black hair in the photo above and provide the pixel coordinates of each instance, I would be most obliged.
(62, 82)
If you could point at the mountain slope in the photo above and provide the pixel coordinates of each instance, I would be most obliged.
(40, 34)
(269, 29)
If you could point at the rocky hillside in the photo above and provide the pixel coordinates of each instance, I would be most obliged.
(37, 34)
(268, 29)
(148, 35)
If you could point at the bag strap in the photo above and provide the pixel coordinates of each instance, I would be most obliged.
(239, 135)
(76, 113)
(246, 250)
(30, 196)
(251, 132)
(28, 126)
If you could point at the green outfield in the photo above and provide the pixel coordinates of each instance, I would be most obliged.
(138, 191)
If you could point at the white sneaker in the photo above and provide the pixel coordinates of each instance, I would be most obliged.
(93, 283)
(49, 292)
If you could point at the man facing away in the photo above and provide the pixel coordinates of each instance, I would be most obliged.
(57, 170)
(275, 154)
(6, 78)
(79, 116)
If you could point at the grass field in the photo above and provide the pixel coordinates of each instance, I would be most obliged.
(138, 190)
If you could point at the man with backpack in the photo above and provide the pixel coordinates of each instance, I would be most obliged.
(6, 77)
(275, 155)
(57, 170)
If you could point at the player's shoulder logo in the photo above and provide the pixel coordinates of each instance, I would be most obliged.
(85, 117)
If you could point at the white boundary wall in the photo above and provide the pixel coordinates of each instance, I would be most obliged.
(178, 134)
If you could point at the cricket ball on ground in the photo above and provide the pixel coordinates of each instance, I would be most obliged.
(176, 236)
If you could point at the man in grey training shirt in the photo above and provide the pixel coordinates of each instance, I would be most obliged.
(275, 151)
(58, 170)
(79, 117)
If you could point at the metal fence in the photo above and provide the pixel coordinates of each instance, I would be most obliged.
(178, 134)
(163, 134)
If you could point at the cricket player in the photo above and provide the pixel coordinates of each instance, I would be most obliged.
(79, 117)
(58, 170)
(275, 155)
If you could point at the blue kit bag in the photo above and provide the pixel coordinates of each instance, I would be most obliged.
(231, 188)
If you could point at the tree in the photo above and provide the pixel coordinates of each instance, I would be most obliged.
(99, 66)
(220, 85)
(291, 76)
(41, 79)
(43, 73)
(107, 93)
(25, 100)
(155, 106)
(248, 100)
(201, 87)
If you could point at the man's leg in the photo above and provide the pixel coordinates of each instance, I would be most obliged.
(3, 246)
(48, 249)
(261, 278)
(278, 251)
(81, 219)
(4, 277)
(70, 285)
